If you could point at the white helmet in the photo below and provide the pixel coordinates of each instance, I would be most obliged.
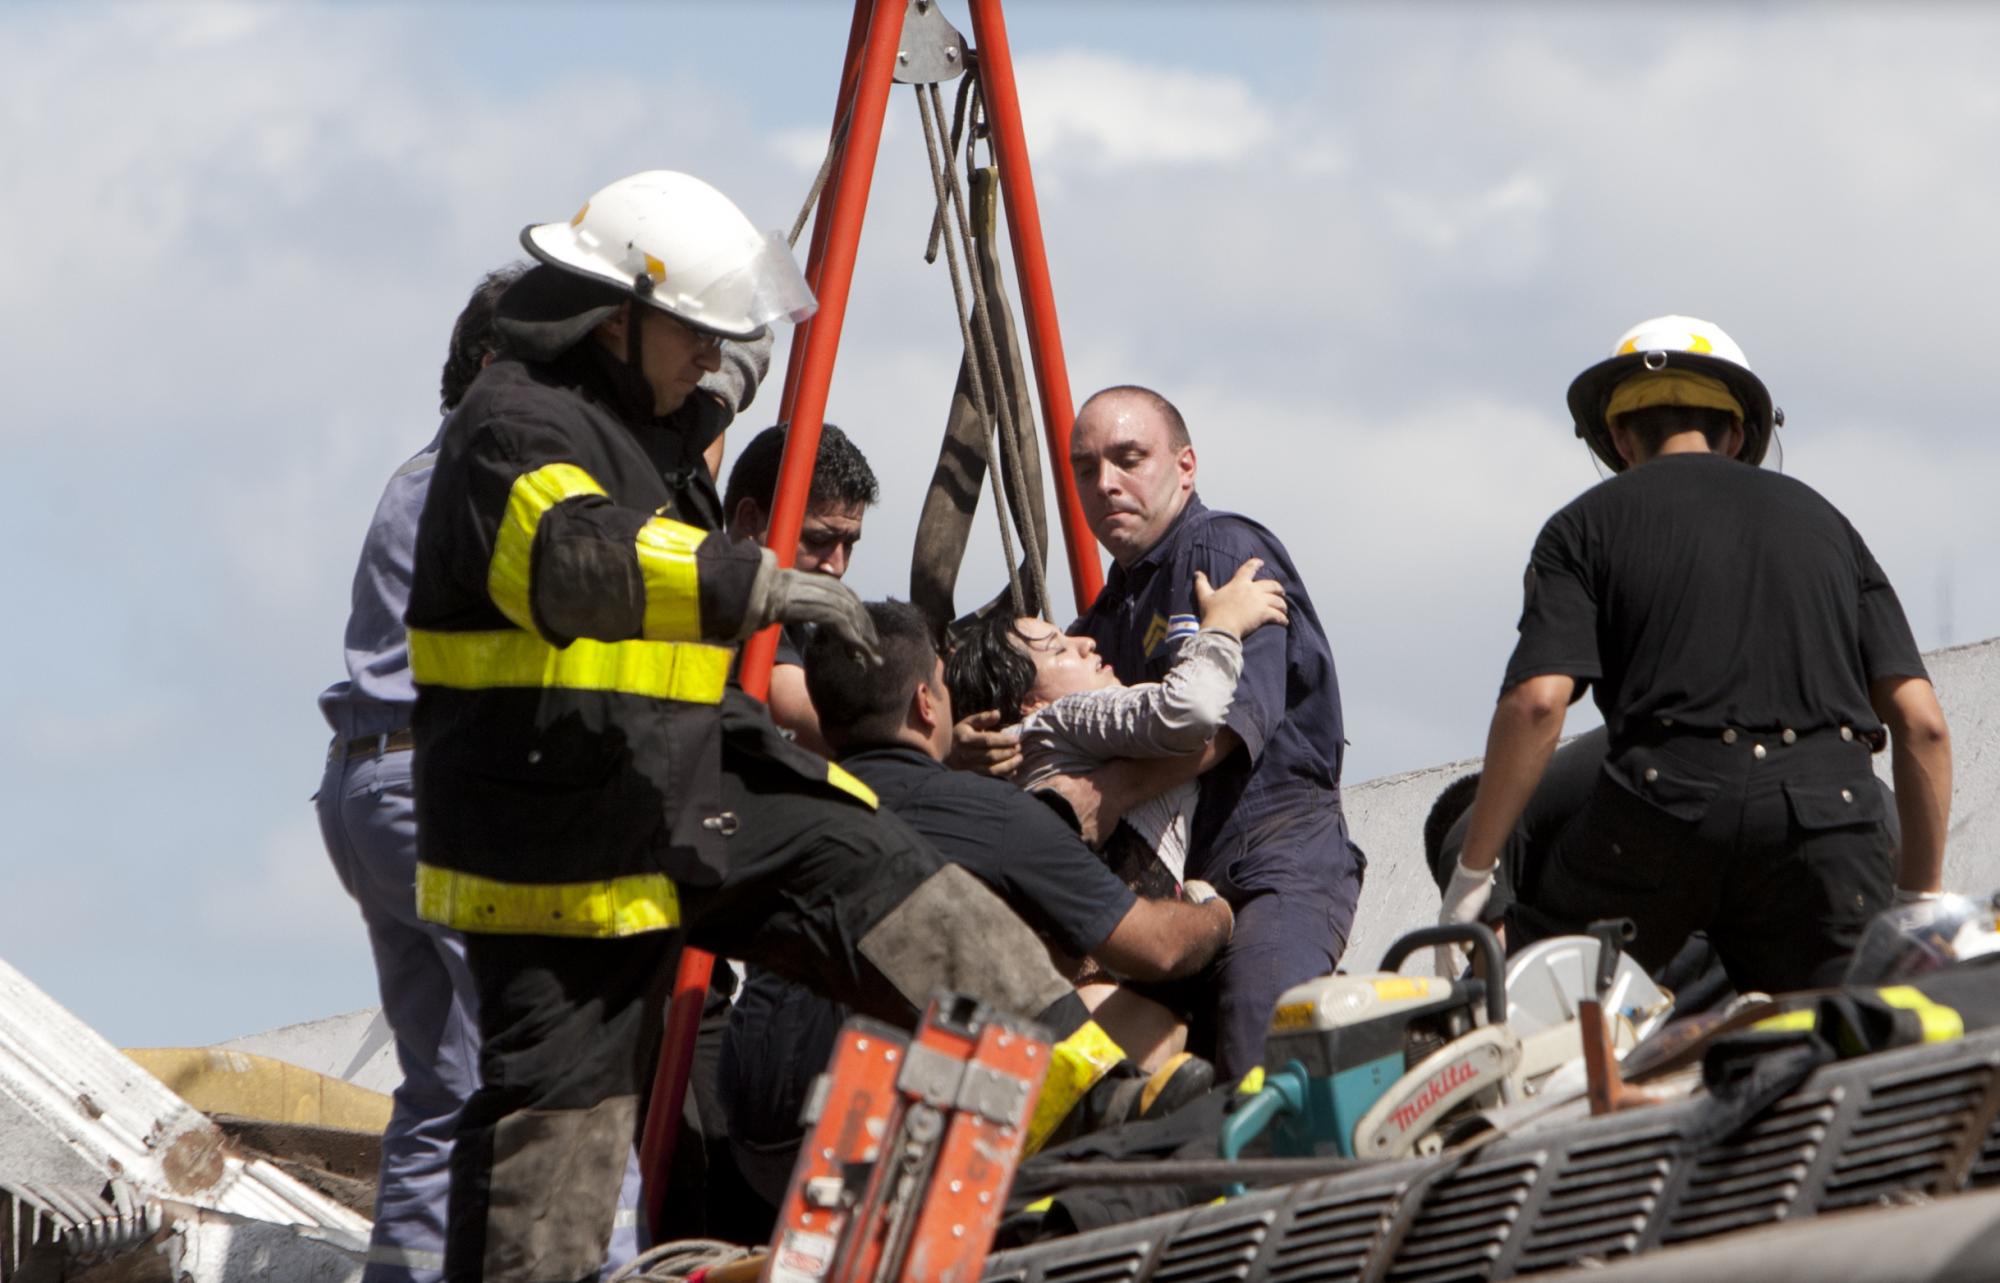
(683, 247)
(1674, 343)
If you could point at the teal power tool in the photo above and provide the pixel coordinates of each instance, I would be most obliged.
(1370, 1066)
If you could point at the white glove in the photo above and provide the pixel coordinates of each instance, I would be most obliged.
(1199, 892)
(1465, 896)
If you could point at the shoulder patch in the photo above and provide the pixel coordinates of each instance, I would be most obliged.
(1155, 637)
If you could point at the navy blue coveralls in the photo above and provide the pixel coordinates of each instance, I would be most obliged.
(1268, 833)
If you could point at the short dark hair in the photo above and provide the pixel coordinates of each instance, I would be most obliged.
(1454, 801)
(1177, 429)
(1653, 424)
(860, 705)
(841, 474)
(472, 336)
(988, 671)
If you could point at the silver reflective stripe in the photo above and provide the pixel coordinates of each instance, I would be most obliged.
(626, 1218)
(410, 1258)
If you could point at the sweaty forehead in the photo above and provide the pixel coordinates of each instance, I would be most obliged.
(1123, 427)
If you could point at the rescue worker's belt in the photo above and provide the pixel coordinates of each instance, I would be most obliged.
(690, 672)
(1732, 743)
(372, 745)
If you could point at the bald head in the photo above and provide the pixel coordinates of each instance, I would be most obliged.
(1130, 398)
(1134, 468)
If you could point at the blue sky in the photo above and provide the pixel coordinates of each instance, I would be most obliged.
(1365, 248)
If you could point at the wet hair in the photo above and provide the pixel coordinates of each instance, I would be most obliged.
(841, 475)
(1177, 430)
(859, 705)
(1653, 424)
(472, 335)
(989, 670)
(1454, 801)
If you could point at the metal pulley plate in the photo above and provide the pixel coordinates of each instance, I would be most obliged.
(932, 51)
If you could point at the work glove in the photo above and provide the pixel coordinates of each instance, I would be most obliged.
(785, 596)
(1465, 898)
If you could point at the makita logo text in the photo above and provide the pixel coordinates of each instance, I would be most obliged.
(1448, 1079)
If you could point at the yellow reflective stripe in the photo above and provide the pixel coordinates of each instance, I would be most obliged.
(1075, 1065)
(1253, 1082)
(1940, 1023)
(840, 778)
(1787, 1022)
(1040, 1205)
(673, 588)
(611, 907)
(510, 575)
(684, 671)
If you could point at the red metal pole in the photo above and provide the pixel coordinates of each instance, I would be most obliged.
(854, 174)
(850, 70)
(1031, 265)
(847, 201)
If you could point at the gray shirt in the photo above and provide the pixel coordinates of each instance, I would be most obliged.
(1169, 718)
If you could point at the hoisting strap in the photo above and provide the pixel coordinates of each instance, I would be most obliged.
(991, 378)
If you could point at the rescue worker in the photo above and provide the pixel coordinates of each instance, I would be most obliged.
(892, 726)
(1268, 830)
(586, 784)
(1748, 655)
(843, 489)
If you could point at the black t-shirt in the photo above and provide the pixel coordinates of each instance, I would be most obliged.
(1006, 839)
(1700, 593)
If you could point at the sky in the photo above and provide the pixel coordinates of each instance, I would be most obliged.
(1364, 248)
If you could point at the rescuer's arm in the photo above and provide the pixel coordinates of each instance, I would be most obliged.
(792, 708)
(1166, 939)
(1101, 798)
(566, 562)
(1527, 722)
(1920, 760)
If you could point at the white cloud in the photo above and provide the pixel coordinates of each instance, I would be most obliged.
(1122, 113)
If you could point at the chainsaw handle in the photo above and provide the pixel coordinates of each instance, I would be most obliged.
(1480, 937)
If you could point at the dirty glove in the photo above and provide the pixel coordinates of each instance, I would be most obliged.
(782, 596)
(1465, 898)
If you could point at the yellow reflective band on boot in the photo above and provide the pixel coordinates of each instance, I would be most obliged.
(686, 671)
(1940, 1023)
(1075, 1065)
(510, 575)
(596, 910)
(673, 586)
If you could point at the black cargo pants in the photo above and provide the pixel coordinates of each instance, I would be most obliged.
(1779, 849)
(849, 901)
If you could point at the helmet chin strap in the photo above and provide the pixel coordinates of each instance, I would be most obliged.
(634, 350)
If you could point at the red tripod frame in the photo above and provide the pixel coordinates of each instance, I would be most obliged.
(865, 80)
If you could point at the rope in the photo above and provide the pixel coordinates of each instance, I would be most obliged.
(825, 172)
(670, 1262)
(949, 194)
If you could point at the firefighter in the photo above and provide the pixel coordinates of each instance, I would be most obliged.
(588, 791)
(1748, 655)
